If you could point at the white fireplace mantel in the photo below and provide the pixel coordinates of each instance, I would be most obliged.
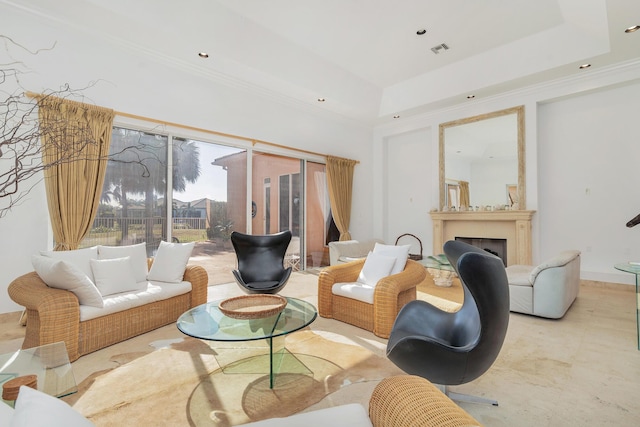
(514, 226)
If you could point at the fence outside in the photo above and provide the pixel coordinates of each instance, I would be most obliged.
(124, 231)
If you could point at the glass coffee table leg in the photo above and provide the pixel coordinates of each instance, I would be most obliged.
(282, 360)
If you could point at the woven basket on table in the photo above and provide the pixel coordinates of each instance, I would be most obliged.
(415, 257)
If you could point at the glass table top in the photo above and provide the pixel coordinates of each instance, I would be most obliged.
(50, 363)
(629, 268)
(439, 262)
(207, 322)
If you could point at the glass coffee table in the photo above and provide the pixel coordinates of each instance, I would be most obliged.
(633, 269)
(50, 363)
(207, 322)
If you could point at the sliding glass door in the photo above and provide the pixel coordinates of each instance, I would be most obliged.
(206, 197)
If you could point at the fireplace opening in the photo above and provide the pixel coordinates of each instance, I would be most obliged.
(497, 247)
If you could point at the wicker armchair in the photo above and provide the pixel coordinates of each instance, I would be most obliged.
(390, 295)
(408, 400)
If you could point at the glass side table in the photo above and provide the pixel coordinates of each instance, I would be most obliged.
(441, 271)
(633, 269)
(50, 363)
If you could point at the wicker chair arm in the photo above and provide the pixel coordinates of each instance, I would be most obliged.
(340, 273)
(199, 279)
(410, 277)
(30, 291)
(386, 296)
(53, 315)
(408, 400)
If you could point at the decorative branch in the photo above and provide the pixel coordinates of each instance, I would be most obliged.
(21, 151)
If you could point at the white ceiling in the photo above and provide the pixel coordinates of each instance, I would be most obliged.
(363, 56)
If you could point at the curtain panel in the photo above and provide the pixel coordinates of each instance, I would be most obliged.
(340, 183)
(464, 194)
(75, 138)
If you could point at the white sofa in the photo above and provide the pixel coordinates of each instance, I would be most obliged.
(350, 250)
(548, 289)
(95, 297)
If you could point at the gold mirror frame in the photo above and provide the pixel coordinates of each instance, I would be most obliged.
(519, 111)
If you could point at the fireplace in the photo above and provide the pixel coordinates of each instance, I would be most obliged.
(512, 226)
(497, 247)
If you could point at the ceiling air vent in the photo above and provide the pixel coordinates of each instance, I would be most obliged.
(437, 49)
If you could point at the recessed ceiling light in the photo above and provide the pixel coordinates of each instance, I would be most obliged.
(396, 116)
(632, 29)
(421, 32)
(583, 66)
(203, 55)
(321, 99)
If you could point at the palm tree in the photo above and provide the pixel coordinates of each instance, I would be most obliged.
(137, 167)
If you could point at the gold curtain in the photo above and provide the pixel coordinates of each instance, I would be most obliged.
(75, 139)
(465, 199)
(340, 183)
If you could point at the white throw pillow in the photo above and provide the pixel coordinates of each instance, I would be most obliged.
(170, 262)
(400, 253)
(115, 275)
(60, 274)
(137, 253)
(37, 409)
(79, 258)
(376, 266)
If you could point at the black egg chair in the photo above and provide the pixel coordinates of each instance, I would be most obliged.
(260, 261)
(456, 348)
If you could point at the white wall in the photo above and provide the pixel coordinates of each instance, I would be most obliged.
(405, 185)
(589, 178)
(582, 174)
(147, 86)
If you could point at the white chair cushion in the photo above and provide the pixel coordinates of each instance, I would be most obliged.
(114, 276)
(137, 253)
(400, 253)
(519, 275)
(375, 267)
(6, 414)
(170, 262)
(80, 258)
(37, 409)
(60, 274)
(348, 415)
(151, 292)
(354, 290)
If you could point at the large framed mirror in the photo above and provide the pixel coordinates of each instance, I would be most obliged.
(482, 161)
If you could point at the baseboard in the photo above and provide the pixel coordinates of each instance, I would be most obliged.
(608, 285)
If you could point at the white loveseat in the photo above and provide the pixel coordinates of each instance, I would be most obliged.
(350, 250)
(548, 289)
(95, 297)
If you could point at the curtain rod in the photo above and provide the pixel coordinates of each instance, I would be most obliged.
(253, 141)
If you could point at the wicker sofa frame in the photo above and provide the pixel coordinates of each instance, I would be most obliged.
(53, 315)
(390, 295)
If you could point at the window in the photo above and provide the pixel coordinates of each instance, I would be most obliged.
(132, 206)
(208, 199)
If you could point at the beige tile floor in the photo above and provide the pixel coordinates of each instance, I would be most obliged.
(582, 370)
